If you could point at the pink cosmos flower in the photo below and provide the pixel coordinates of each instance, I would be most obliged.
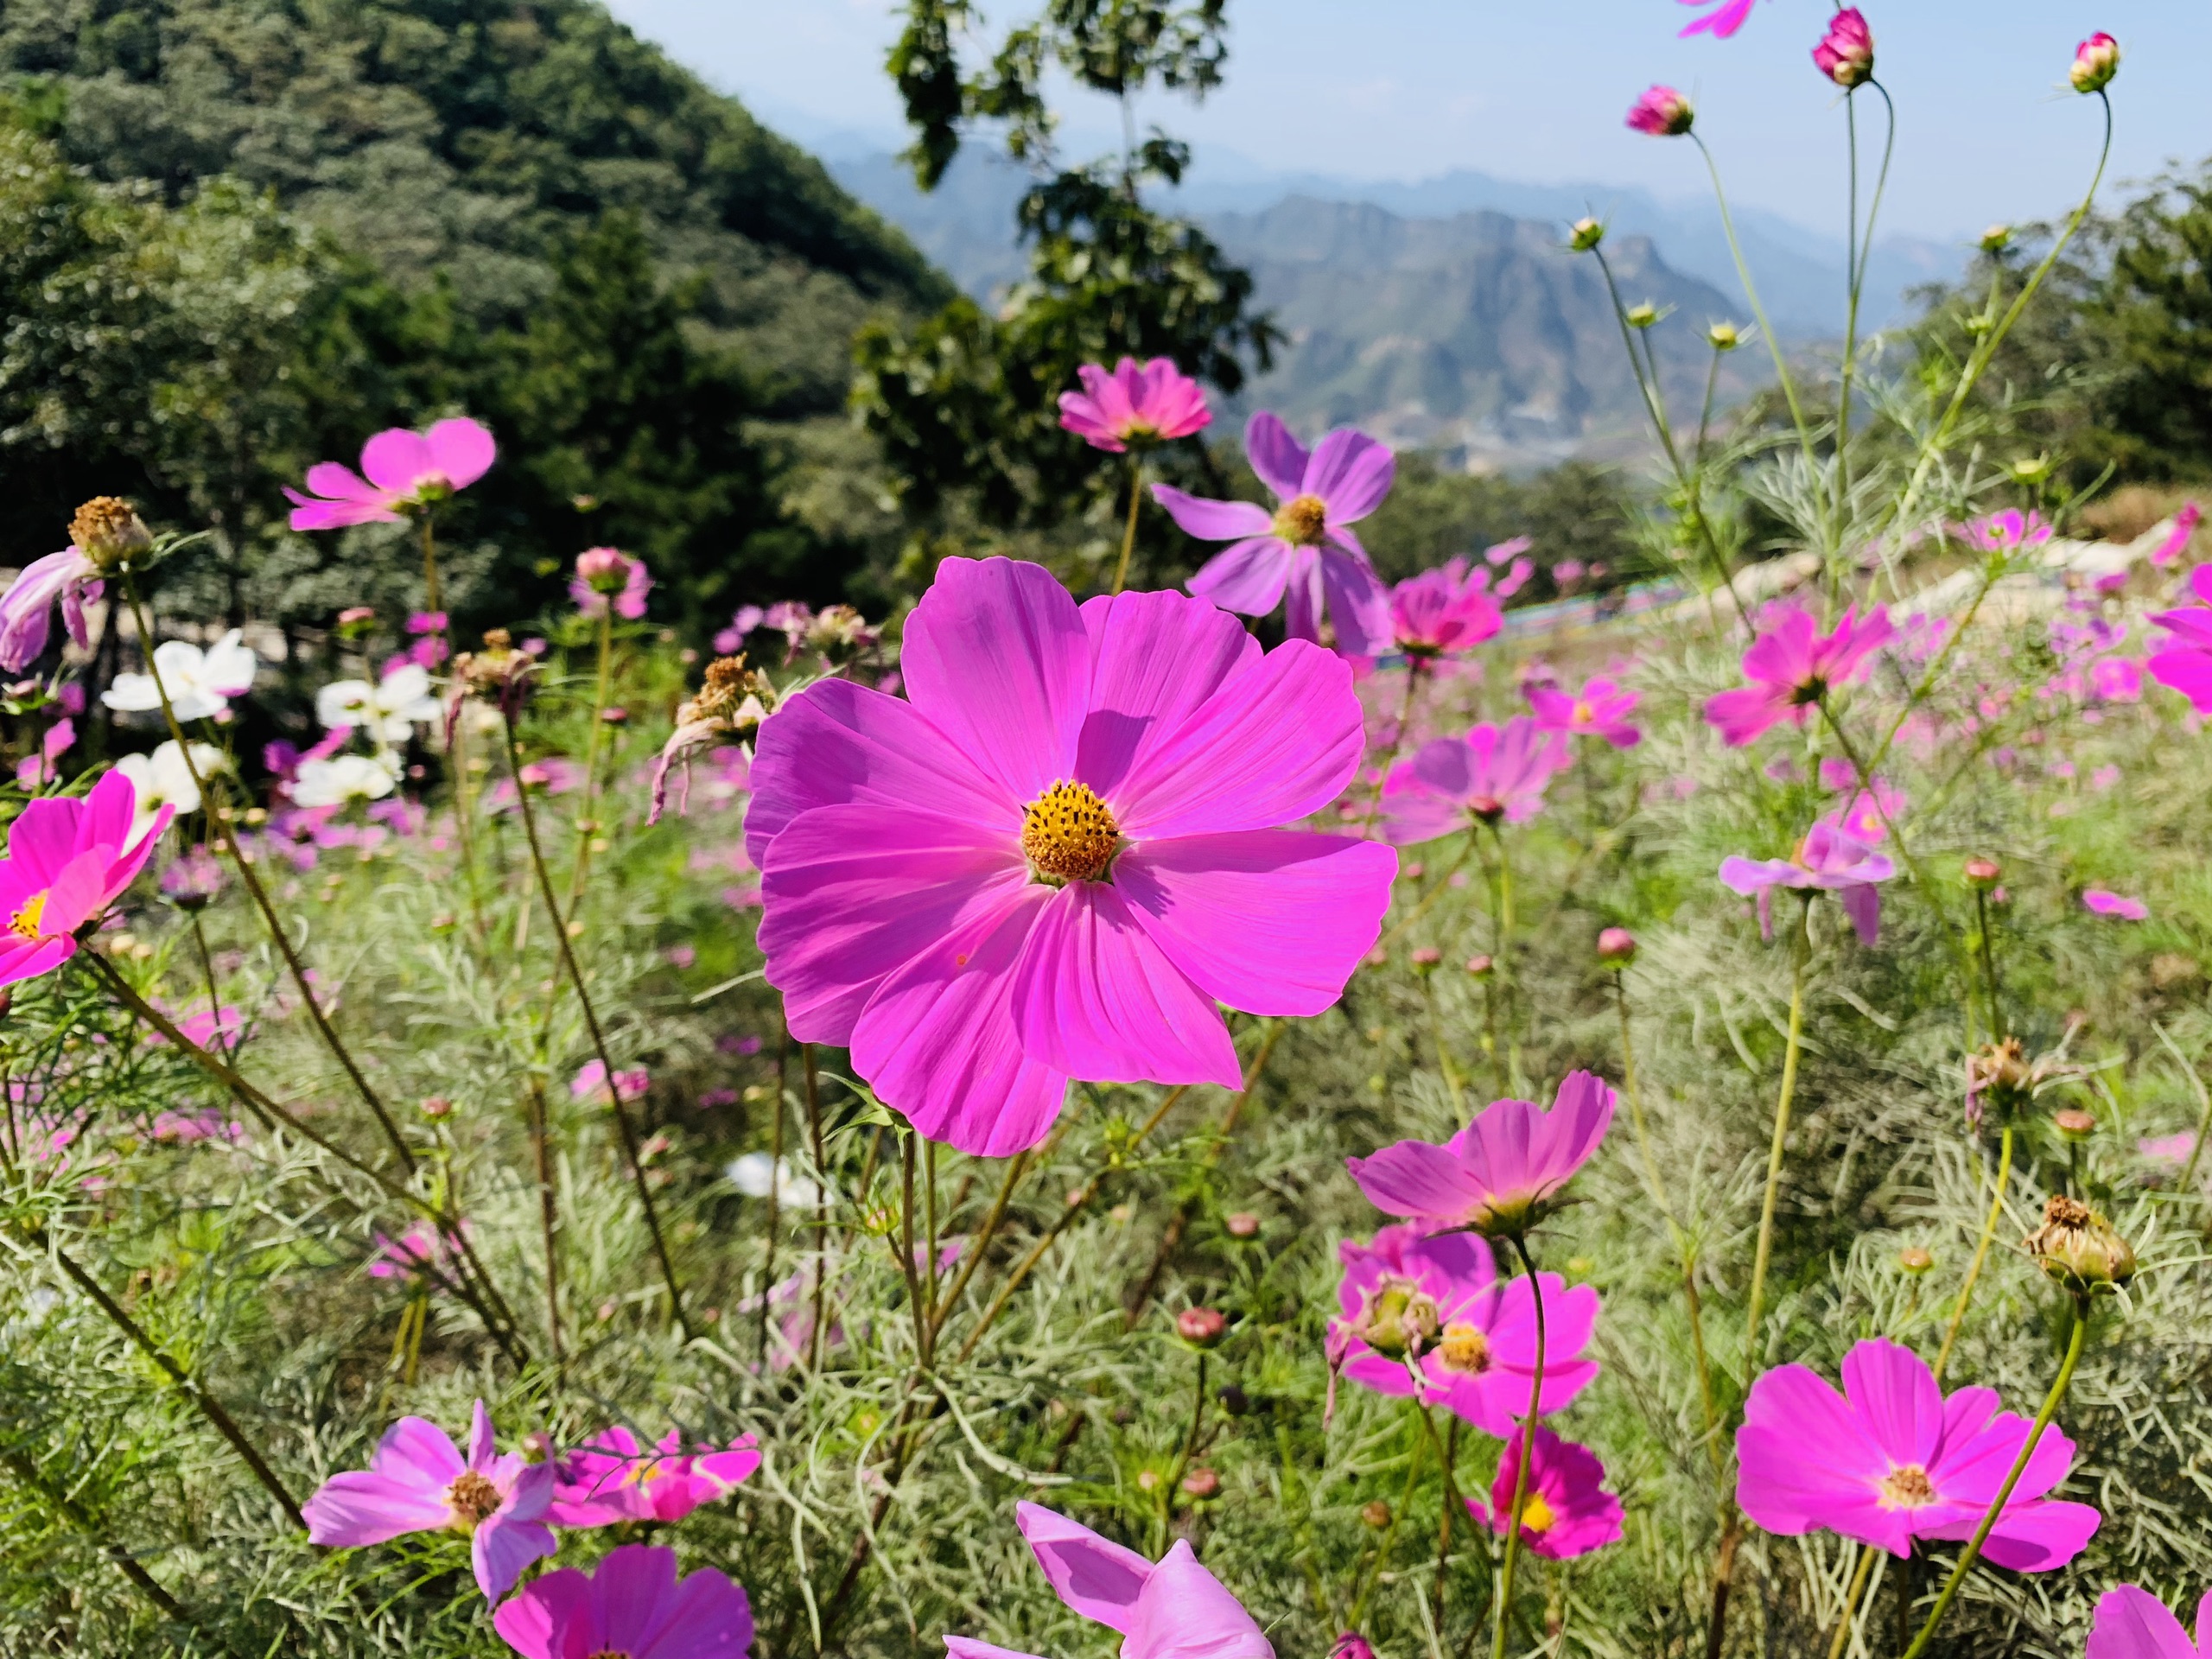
(1516, 578)
(608, 1479)
(35, 771)
(185, 1128)
(2133, 1623)
(1600, 709)
(1662, 111)
(1429, 1316)
(2096, 60)
(1890, 1459)
(1828, 859)
(2170, 1150)
(607, 573)
(1866, 817)
(1442, 611)
(68, 861)
(1792, 666)
(1306, 548)
(404, 470)
(418, 1481)
(1059, 854)
(1137, 405)
(2185, 663)
(590, 1081)
(1723, 20)
(2173, 547)
(1494, 773)
(1567, 1510)
(631, 1606)
(27, 609)
(2112, 904)
(1171, 1610)
(1846, 54)
(2009, 532)
(1503, 1172)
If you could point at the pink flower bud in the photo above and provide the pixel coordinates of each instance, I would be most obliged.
(1663, 113)
(1202, 1484)
(1243, 1224)
(603, 569)
(1481, 967)
(435, 1106)
(1616, 945)
(1846, 54)
(2096, 60)
(1983, 872)
(1202, 1327)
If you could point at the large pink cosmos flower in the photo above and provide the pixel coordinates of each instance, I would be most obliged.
(1565, 1510)
(2185, 663)
(631, 1606)
(404, 470)
(1305, 548)
(1429, 1316)
(1136, 406)
(1829, 859)
(1503, 1172)
(1060, 853)
(1601, 709)
(27, 609)
(417, 1481)
(2133, 1623)
(1890, 1459)
(1444, 610)
(1792, 666)
(1494, 773)
(1171, 1610)
(68, 861)
(610, 1479)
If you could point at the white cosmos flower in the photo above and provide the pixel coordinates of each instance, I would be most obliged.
(163, 780)
(753, 1173)
(389, 708)
(200, 683)
(347, 778)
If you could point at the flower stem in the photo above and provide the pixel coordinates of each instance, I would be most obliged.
(1966, 1557)
(1129, 531)
(1997, 1030)
(1751, 296)
(1413, 677)
(1862, 254)
(1756, 1305)
(1981, 1253)
(822, 1208)
(588, 821)
(623, 1129)
(541, 1146)
(1842, 1639)
(1527, 1453)
(775, 1193)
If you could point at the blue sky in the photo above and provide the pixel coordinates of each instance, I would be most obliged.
(1405, 89)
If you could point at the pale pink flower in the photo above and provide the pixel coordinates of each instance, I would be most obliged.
(1829, 859)
(1493, 774)
(2104, 903)
(1136, 406)
(607, 574)
(27, 609)
(1600, 709)
(404, 470)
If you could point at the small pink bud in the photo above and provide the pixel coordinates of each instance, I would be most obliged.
(1378, 958)
(1202, 1484)
(603, 569)
(2073, 1123)
(1426, 958)
(1243, 1224)
(614, 714)
(1663, 113)
(435, 1106)
(1846, 54)
(1983, 872)
(1481, 967)
(1202, 1327)
(1616, 945)
(2096, 60)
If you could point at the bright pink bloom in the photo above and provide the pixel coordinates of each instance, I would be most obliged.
(67, 860)
(1138, 404)
(1870, 812)
(1600, 709)
(591, 1080)
(1846, 54)
(1444, 610)
(2113, 904)
(2116, 679)
(1171, 1610)
(1494, 773)
(1500, 1173)
(1061, 853)
(1498, 552)
(1890, 1459)
(404, 470)
(2133, 1623)
(1828, 859)
(2009, 532)
(27, 609)
(1306, 548)
(1662, 111)
(605, 572)
(1723, 20)
(1792, 666)
(2096, 60)
(1567, 1510)
(631, 1606)
(184, 1128)
(2177, 543)
(2185, 664)
(418, 1481)
(1516, 578)
(1430, 1316)
(608, 1479)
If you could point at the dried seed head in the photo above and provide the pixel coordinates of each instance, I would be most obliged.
(2079, 1248)
(107, 529)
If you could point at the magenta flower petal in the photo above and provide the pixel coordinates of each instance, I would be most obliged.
(503, 1546)
(2187, 671)
(2133, 1623)
(1567, 1512)
(630, 1604)
(1269, 921)
(1279, 459)
(397, 461)
(1096, 1577)
(1898, 1399)
(937, 1039)
(2112, 904)
(361, 1506)
(1248, 577)
(1213, 521)
(27, 607)
(1352, 472)
(461, 450)
(1184, 1613)
(1414, 1177)
(1134, 709)
(966, 1647)
(2038, 1536)
(1722, 21)
(1095, 997)
(997, 658)
(1359, 604)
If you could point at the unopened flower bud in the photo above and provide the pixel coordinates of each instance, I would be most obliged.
(1584, 234)
(1425, 960)
(1846, 54)
(603, 569)
(356, 619)
(1202, 1484)
(2073, 1123)
(434, 1106)
(1724, 337)
(1642, 316)
(1351, 1645)
(1663, 113)
(1615, 947)
(1148, 1480)
(1997, 238)
(2096, 60)
(1983, 872)
(1915, 1260)
(1376, 1513)
(2031, 469)
(106, 529)
(1481, 967)
(1202, 1327)
(2078, 1247)
(1243, 1224)
(537, 1446)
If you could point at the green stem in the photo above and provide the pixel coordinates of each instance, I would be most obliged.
(1527, 1453)
(1973, 1550)
(1981, 1253)
(1842, 1639)
(588, 821)
(1776, 1153)
(1752, 295)
(1129, 531)
(1997, 1030)
(1862, 256)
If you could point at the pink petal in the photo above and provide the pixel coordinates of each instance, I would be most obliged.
(1279, 459)
(706, 1614)
(846, 905)
(43, 838)
(1247, 577)
(1351, 472)
(997, 658)
(1096, 1577)
(1416, 1179)
(1277, 742)
(337, 482)
(363, 1506)
(1359, 604)
(461, 449)
(966, 1647)
(1155, 659)
(501, 1548)
(2133, 1623)
(413, 1449)
(483, 1445)
(937, 1039)
(1184, 1613)
(1270, 921)
(1807, 1461)
(2034, 1537)
(1895, 1396)
(1095, 997)
(1302, 597)
(527, 1622)
(396, 460)
(1213, 521)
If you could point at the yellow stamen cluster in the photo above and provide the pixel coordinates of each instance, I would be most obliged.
(1536, 1516)
(1303, 521)
(24, 923)
(1465, 1349)
(106, 528)
(1069, 834)
(473, 1498)
(1907, 1488)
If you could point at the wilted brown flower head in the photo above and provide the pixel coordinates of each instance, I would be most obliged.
(2000, 1078)
(2077, 1247)
(498, 673)
(839, 633)
(729, 707)
(107, 529)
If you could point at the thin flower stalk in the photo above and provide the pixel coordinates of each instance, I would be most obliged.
(1514, 1527)
(1755, 1305)
(548, 1208)
(1413, 676)
(586, 823)
(822, 1207)
(1129, 529)
(1859, 255)
(775, 1191)
(1980, 1252)
(1867, 1555)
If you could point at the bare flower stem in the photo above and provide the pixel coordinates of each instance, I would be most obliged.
(548, 1219)
(1842, 1639)
(821, 1206)
(1981, 1253)
(627, 1134)
(1129, 531)
(588, 821)
(775, 1191)
(1527, 1453)
(1968, 1556)
(1755, 1305)
(1415, 675)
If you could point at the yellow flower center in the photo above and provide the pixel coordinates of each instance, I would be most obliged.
(1536, 1514)
(24, 923)
(1068, 835)
(1584, 713)
(1303, 520)
(473, 1499)
(1907, 1488)
(1464, 1349)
